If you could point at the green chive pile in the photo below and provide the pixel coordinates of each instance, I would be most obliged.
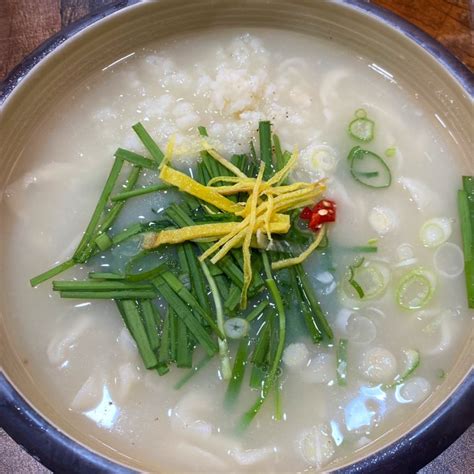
(201, 300)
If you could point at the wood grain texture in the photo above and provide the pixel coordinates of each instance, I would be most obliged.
(448, 21)
(24, 24)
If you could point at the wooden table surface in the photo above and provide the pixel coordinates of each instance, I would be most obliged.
(24, 24)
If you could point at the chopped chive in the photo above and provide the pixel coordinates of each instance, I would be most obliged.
(132, 319)
(184, 312)
(109, 295)
(278, 153)
(466, 217)
(202, 131)
(265, 137)
(105, 276)
(103, 241)
(223, 346)
(238, 372)
(320, 318)
(127, 233)
(173, 333)
(200, 175)
(190, 262)
(117, 206)
(147, 274)
(164, 349)
(110, 218)
(94, 285)
(162, 369)
(260, 351)
(286, 157)
(233, 298)
(310, 321)
(205, 174)
(257, 377)
(305, 308)
(148, 142)
(184, 354)
(392, 151)
(272, 375)
(253, 152)
(257, 311)
(177, 286)
(341, 355)
(468, 186)
(52, 272)
(136, 159)
(141, 192)
(99, 209)
(149, 320)
(211, 164)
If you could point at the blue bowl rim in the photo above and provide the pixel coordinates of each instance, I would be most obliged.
(414, 450)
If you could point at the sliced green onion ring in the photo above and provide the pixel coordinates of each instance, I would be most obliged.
(448, 260)
(367, 280)
(362, 129)
(416, 289)
(435, 232)
(360, 113)
(412, 361)
(369, 169)
(236, 328)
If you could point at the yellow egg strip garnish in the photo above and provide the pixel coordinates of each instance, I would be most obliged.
(226, 163)
(170, 146)
(277, 190)
(229, 245)
(268, 216)
(229, 179)
(207, 232)
(176, 236)
(279, 204)
(288, 262)
(281, 222)
(264, 211)
(214, 248)
(188, 185)
(248, 237)
(236, 188)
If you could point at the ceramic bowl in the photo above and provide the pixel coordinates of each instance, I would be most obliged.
(444, 86)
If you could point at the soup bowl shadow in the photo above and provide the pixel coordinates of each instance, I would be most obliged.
(114, 32)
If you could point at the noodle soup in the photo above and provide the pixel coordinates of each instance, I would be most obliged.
(389, 277)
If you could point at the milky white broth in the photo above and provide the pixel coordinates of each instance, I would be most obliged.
(78, 352)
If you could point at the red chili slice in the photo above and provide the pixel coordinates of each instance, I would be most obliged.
(324, 211)
(325, 204)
